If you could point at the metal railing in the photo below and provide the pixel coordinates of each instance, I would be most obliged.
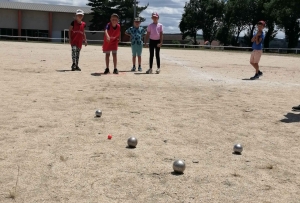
(181, 46)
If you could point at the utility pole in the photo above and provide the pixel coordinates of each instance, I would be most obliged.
(134, 9)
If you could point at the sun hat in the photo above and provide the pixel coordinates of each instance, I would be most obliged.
(137, 19)
(79, 12)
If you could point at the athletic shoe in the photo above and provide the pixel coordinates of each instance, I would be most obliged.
(260, 73)
(158, 71)
(78, 69)
(133, 69)
(116, 71)
(140, 69)
(106, 71)
(297, 108)
(256, 76)
(73, 67)
(149, 71)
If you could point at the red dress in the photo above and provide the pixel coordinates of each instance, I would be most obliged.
(114, 34)
(77, 34)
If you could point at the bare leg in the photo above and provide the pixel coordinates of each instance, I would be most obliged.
(140, 60)
(107, 60)
(134, 60)
(256, 66)
(115, 60)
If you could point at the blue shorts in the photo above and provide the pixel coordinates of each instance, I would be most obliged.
(137, 50)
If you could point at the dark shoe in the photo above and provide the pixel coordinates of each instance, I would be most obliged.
(77, 69)
(140, 69)
(133, 69)
(116, 71)
(149, 71)
(260, 73)
(297, 108)
(106, 71)
(73, 67)
(256, 76)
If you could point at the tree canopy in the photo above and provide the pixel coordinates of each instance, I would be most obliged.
(225, 20)
(102, 10)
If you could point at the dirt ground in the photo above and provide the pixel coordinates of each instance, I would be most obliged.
(53, 149)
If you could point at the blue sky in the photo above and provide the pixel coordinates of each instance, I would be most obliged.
(170, 11)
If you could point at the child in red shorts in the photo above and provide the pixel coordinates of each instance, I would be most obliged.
(111, 41)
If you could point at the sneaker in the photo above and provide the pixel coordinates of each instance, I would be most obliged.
(73, 67)
(133, 69)
(140, 69)
(260, 73)
(116, 71)
(77, 69)
(106, 71)
(149, 71)
(297, 108)
(256, 76)
(158, 71)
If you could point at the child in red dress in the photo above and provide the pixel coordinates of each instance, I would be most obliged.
(111, 41)
(76, 37)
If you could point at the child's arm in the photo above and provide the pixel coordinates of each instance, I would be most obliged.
(107, 36)
(258, 40)
(161, 39)
(70, 30)
(84, 38)
(126, 33)
(147, 38)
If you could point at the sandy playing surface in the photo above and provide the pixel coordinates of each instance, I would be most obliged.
(195, 110)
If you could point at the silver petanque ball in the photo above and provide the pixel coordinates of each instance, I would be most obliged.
(132, 142)
(238, 148)
(178, 166)
(98, 113)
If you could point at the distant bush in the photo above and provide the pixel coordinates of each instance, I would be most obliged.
(175, 42)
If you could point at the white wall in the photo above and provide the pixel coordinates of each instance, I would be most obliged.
(36, 20)
(39, 20)
(8, 18)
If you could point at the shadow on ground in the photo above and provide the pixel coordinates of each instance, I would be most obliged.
(291, 118)
(63, 70)
(96, 74)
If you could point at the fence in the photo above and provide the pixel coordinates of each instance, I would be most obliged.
(179, 46)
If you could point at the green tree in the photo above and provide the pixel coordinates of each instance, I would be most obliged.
(125, 10)
(270, 20)
(212, 12)
(191, 20)
(225, 32)
(287, 15)
(201, 14)
(102, 10)
(238, 16)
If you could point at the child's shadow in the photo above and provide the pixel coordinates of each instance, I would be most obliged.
(62, 71)
(291, 118)
(96, 74)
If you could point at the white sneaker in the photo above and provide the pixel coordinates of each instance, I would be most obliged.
(158, 70)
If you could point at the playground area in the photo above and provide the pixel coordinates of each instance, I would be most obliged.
(54, 149)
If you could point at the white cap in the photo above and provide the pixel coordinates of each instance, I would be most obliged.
(79, 12)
